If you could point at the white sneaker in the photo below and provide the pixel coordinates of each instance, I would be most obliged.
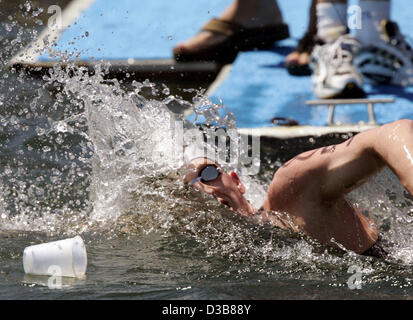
(334, 74)
(389, 61)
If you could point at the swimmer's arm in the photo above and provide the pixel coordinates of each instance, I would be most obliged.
(394, 146)
(273, 218)
(352, 162)
(323, 174)
(331, 172)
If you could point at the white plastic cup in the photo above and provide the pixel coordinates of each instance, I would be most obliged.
(65, 258)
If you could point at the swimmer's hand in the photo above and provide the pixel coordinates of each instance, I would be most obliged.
(225, 187)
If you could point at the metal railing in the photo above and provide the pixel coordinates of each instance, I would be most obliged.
(332, 103)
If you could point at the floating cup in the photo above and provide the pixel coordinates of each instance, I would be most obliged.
(65, 258)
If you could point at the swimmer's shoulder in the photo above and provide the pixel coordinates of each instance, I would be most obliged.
(289, 183)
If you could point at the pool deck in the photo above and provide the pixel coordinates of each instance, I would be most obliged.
(137, 41)
(154, 69)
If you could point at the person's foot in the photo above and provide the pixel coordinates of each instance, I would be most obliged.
(255, 13)
(201, 41)
(297, 62)
(389, 61)
(297, 58)
(335, 75)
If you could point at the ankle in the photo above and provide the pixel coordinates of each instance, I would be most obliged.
(331, 20)
(253, 13)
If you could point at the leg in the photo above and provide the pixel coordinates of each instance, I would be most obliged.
(331, 19)
(298, 60)
(248, 13)
(371, 29)
(334, 74)
(327, 23)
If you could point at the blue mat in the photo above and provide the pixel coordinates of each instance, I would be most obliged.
(144, 29)
(259, 87)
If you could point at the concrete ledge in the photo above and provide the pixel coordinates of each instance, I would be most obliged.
(161, 69)
(304, 131)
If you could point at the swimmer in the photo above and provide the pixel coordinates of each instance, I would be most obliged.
(311, 188)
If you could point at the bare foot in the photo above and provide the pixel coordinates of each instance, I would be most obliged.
(199, 42)
(292, 58)
(297, 58)
(248, 13)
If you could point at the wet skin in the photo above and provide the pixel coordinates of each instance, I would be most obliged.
(227, 188)
(310, 189)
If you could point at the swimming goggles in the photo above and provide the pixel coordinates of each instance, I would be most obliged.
(208, 174)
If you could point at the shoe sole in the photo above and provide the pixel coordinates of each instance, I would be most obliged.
(350, 91)
(300, 70)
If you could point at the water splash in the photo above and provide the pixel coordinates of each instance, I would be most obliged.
(99, 139)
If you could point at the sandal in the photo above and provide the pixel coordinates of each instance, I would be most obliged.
(305, 45)
(238, 39)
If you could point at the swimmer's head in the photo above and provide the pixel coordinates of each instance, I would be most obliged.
(205, 175)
